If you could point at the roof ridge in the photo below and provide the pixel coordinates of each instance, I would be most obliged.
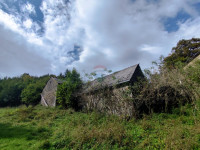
(120, 77)
(118, 71)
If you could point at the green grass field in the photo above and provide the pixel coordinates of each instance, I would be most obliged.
(51, 128)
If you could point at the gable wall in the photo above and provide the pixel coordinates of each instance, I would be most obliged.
(48, 96)
(138, 74)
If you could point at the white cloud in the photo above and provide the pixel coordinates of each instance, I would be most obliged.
(28, 23)
(10, 22)
(18, 56)
(122, 33)
(61, 32)
(15, 24)
(28, 8)
(189, 29)
(113, 33)
(151, 49)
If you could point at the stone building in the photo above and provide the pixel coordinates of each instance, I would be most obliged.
(48, 95)
(111, 94)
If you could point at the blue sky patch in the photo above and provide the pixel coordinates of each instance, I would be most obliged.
(197, 7)
(75, 54)
(171, 24)
(39, 15)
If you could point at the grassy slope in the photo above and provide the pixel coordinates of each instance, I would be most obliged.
(48, 128)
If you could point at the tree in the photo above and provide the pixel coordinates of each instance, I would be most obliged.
(31, 94)
(67, 90)
(11, 89)
(184, 52)
(10, 95)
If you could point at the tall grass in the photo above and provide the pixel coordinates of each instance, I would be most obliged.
(48, 128)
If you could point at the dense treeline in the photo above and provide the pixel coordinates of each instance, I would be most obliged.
(25, 89)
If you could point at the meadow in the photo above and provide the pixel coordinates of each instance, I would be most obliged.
(54, 128)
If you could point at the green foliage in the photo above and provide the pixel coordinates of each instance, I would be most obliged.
(184, 52)
(31, 94)
(166, 89)
(53, 128)
(11, 89)
(66, 91)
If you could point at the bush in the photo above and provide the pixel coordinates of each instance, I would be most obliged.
(66, 91)
(165, 90)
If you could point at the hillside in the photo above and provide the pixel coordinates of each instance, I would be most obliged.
(48, 128)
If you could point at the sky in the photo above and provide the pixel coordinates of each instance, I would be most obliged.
(48, 36)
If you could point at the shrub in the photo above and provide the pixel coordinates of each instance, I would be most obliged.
(66, 91)
(164, 90)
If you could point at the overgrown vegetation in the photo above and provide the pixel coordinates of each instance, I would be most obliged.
(166, 89)
(66, 91)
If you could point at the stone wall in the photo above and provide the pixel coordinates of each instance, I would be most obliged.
(115, 101)
(48, 96)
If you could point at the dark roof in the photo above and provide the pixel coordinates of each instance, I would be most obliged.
(115, 78)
